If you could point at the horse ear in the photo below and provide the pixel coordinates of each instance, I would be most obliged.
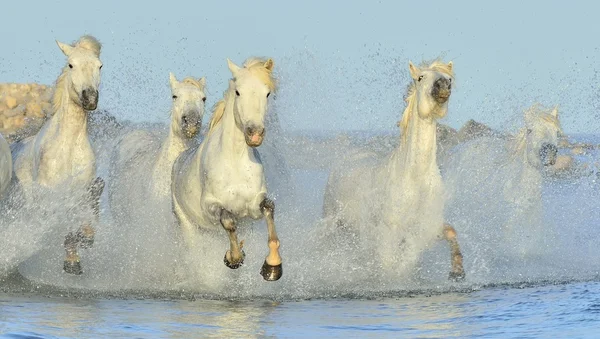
(554, 112)
(414, 70)
(270, 64)
(66, 49)
(233, 67)
(172, 80)
(202, 81)
(450, 65)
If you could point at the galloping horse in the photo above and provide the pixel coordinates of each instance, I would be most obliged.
(401, 194)
(222, 182)
(60, 155)
(506, 173)
(142, 155)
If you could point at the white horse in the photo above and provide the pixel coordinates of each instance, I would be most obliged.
(142, 161)
(400, 194)
(6, 168)
(221, 182)
(60, 155)
(503, 177)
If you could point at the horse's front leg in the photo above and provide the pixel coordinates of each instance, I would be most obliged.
(84, 237)
(86, 232)
(234, 258)
(271, 269)
(457, 273)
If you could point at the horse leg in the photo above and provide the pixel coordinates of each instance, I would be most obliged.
(84, 237)
(71, 264)
(86, 232)
(234, 258)
(271, 269)
(457, 273)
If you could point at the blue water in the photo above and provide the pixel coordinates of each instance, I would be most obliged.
(555, 311)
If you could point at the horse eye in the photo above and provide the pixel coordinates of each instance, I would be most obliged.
(237, 93)
(268, 94)
(101, 66)
(174, 97)
(420, 78)
(70, 66)
(204, 99)
(529, 131)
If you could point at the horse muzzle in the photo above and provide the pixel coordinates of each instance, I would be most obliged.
(442, 88)
(191, 126)
(548, 154)
(254, 136)
(89, 99)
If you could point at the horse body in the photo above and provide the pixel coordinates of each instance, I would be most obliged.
(230, 176)
(60, 155)
(507, 174)
(222, 180)
(401, 194)
(141, 165)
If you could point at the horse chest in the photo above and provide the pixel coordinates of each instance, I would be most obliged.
(238, 187)
(60, 162)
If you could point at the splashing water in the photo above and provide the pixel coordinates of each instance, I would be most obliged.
(146, 257)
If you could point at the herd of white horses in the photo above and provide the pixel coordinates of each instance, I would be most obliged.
(220, 181)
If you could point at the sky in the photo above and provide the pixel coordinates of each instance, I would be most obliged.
(342, 65)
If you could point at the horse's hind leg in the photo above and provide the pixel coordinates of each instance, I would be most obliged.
(84, 237)
(234, 258)
(457, 273)
(272, 268)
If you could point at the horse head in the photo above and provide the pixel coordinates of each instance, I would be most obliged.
(82, 72)
(541, 135)
(188, 105)
(253, 84)
(433, 87)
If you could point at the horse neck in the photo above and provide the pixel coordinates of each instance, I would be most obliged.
(416, 154)
(519, 149)
(174, 144)
(69, 119)
(232, 138)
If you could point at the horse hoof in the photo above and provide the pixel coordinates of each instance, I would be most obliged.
(236, 265)
(456, 276)
(271, 273)
(72, 267)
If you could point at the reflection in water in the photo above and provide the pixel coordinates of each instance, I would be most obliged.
(552, 311)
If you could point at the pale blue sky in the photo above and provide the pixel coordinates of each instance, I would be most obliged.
(342, 64)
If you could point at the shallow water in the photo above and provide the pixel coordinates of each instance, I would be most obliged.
(569, 310)
(328, 289)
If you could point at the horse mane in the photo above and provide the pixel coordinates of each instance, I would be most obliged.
(534, 115)
(90, 43)
(219, 108)
(86, 42)
(256, 67)
(59, 89)
(410, 97)
(193, 82)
